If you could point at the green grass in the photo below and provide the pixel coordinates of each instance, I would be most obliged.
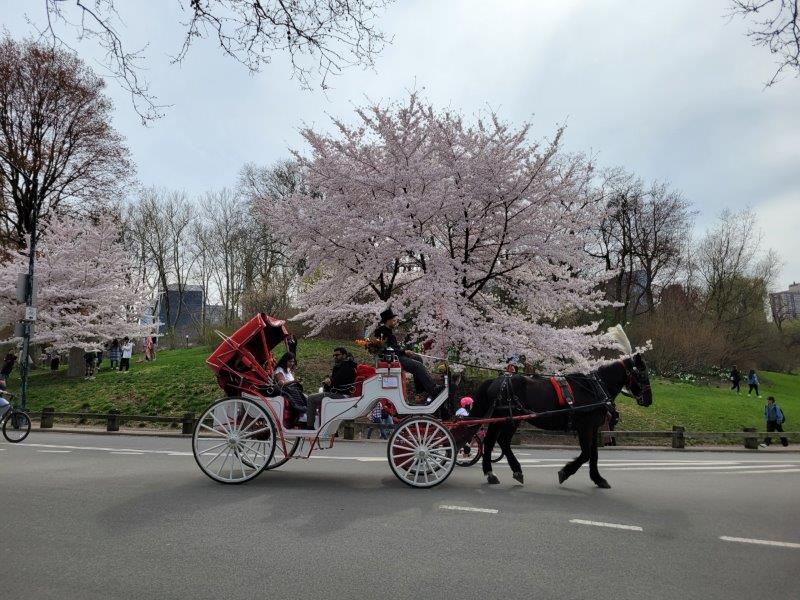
(179, 381)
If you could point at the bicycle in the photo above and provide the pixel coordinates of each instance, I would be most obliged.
(472, 452)
(16, 424)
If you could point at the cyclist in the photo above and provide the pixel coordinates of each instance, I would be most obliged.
(4, 404)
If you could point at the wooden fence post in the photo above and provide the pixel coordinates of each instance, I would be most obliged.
(46, 422)
(187, 423)
(113, 420)
(751, 443)
(678, 439)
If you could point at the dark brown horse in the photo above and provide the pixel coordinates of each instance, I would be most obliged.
(518, 395)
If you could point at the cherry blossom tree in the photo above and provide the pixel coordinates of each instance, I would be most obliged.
(87, 292)
(473, 231)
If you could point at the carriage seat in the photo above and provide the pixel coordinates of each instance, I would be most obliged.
(363, 372)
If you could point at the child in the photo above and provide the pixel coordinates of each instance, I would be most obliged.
(466, 406)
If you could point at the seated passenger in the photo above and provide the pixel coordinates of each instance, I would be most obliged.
(338, 385)
(286, 382)
(410, 362)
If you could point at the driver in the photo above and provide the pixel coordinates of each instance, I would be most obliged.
(410, 362)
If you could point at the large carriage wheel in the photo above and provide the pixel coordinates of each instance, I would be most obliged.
(470, 453)
(279, 457)
(421, 452)
(234, 440)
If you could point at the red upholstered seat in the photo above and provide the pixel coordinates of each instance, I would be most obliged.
(363, 372)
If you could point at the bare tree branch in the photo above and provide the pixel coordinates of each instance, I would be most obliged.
(775, 25)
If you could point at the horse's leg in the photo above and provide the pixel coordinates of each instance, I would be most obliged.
(504, 441)
(488, 444)
(575, 464)
(594, 473)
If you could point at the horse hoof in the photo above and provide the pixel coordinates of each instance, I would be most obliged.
(562, 476)
(492, 479)
(602, 483)
(518, 476)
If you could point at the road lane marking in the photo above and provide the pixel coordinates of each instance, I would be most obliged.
(758, 472)
(726, 538)
(692, 468)
(493, 511)
(611, 525)
(127, 453)
(55, 451)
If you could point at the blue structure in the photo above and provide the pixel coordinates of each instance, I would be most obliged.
(185, 310)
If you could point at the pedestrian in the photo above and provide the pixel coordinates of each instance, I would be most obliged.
(89, 359)
(735, 377)
(8, 365)
(380, 416)
(113, 354)
(127, 350)
(752, 383)
(775, 420)
(465, 406)
(153, 349)
(291, 344)
(55, 359)
(148, 348)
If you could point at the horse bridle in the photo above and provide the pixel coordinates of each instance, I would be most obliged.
(631, 376)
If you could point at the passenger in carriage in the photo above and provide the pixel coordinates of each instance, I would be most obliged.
(338, 385)
(410, 362)
(289, 386)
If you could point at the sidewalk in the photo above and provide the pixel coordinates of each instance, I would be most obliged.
(166, 433)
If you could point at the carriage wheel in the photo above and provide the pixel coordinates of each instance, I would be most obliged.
(279, 458)
(470, 453)
(234, 440)
(421, 452)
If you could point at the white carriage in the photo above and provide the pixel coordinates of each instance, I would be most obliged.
(254, 428)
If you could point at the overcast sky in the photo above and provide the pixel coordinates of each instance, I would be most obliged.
(669, 90)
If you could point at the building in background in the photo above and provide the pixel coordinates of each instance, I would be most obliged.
(785, 305)
(188, 312)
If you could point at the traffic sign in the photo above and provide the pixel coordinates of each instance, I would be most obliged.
(30, 313)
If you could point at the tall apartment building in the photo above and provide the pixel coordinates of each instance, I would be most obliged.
(786, 305)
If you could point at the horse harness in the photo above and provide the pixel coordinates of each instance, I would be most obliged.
(565, 397)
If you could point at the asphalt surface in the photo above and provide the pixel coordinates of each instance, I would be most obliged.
(133, 517)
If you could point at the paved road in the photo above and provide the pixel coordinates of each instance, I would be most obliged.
(130, 517)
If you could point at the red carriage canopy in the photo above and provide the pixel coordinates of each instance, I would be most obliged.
(245, 358)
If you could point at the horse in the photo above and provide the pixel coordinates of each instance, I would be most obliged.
(592, 395)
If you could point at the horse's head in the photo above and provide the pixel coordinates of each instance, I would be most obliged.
(637, 380)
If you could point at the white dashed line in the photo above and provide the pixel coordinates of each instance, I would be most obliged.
(726, 538)
(492, 511)
(692, 468)
(126, 453)
(611, 525)
(760, 472)
(55, 451)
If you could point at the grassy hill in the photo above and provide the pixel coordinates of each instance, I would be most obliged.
(180, 381)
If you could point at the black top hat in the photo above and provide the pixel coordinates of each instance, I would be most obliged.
(387, 314)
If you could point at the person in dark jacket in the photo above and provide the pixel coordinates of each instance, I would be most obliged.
(8, 365)
(736, 377)
(775, 418)
(338, 385)
(410, 362)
